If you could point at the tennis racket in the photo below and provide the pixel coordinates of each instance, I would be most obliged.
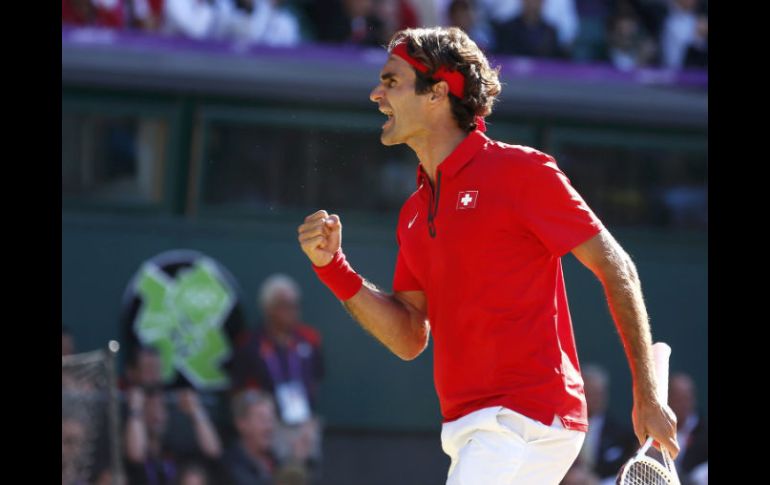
(650, 466)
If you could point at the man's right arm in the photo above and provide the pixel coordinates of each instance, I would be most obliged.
(399, 320)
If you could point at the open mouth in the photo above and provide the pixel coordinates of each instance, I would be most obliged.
(389, 114)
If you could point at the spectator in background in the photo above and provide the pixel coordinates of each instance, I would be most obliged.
(629, 46)
(283, 353)
(74, 457)
(181, 426)
(147, 15)
(144, 369)
(98, 13)
(692, 429)
(608, 443)
(528, 34)
(198, 19)
(697, 54)
(67, 341)
(679, 31)
(265, 22)
(150, 459)
(652, 14)
(561, 14)
(193, 474)
(591, 41)
(85, 458)
(348, 21)
(283, 357)
(251, 459)
(463, 14)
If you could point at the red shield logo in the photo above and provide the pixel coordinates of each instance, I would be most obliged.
(467, 199)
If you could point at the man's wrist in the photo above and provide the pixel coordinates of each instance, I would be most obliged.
(339, 276)
(645, 392)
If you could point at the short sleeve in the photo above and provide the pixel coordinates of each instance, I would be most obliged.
(553, 210)
(403, 278)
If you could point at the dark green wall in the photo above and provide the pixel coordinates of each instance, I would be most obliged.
(366, 385)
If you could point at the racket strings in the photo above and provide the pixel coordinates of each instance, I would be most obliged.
(644, 473)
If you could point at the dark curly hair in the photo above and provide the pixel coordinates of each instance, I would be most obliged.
(452, 48)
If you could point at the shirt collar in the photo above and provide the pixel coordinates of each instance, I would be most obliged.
(460, 156)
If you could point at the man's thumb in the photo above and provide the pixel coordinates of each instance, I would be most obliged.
(333, 221)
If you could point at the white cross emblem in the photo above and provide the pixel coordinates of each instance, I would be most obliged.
(467, 199)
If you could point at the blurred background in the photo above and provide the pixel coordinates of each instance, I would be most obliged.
(198, 134)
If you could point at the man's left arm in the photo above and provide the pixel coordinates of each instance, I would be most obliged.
(613, 266)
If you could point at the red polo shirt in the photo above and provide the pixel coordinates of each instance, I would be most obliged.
(485, 246)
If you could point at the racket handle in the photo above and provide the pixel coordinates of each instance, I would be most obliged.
(646, 446)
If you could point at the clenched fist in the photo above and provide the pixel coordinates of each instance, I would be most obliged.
(320, 237)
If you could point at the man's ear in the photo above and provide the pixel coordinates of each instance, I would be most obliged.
(439, 91)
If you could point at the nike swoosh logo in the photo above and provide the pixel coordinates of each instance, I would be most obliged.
(413, 219)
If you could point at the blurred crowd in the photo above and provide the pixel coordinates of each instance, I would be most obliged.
(263, 430)
(629, 34)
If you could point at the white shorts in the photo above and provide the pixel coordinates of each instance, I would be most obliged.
(498, 446)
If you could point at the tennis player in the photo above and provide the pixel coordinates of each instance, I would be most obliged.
(479, 266)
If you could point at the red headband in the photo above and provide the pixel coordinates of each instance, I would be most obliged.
(454, 79)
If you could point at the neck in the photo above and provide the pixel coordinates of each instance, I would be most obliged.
(279, 336)
(254, 450)
(435, 145)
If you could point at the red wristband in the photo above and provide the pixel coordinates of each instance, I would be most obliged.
(339, 276)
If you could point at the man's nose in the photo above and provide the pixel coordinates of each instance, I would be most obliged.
(376, 94)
